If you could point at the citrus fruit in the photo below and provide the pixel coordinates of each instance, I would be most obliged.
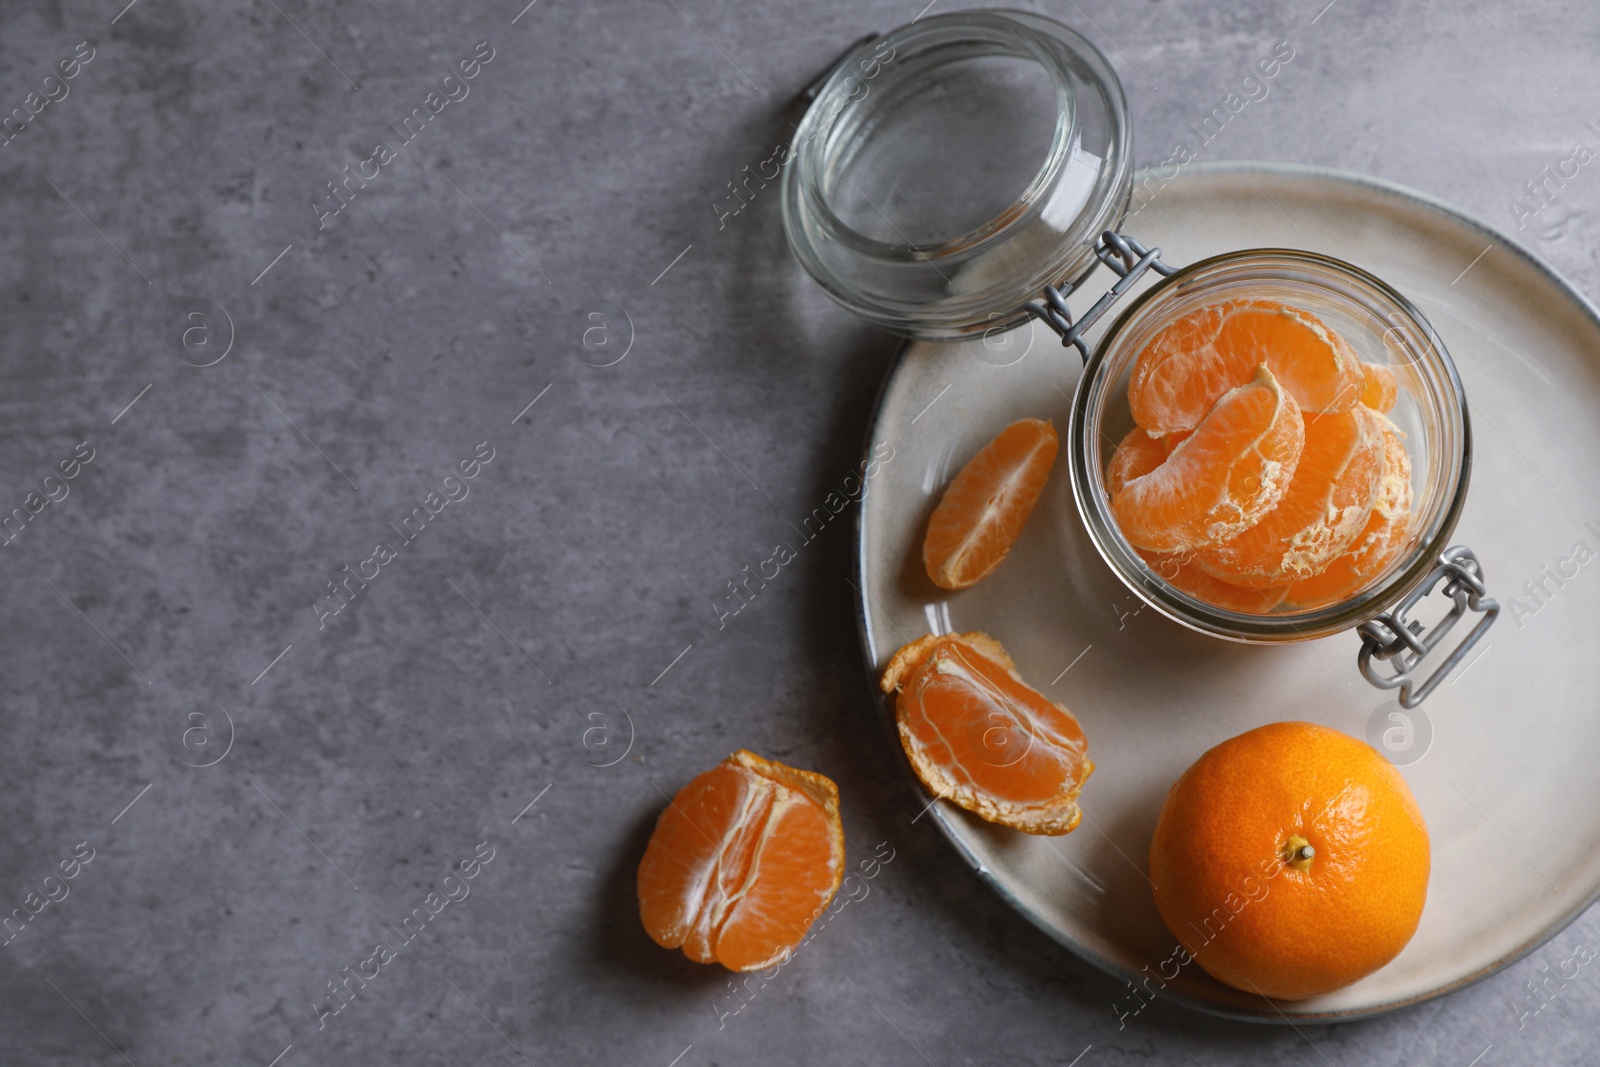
(978, 518)
(1137, 455)
(1222, 478)
(741, 861)
(1379, 541)
(1328, 503)
(1193, 361)
(1290, 861)
(1379, 390)
(978, 735)
(1187, 578)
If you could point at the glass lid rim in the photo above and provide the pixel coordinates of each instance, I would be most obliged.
(1061, 141)
(826, 246)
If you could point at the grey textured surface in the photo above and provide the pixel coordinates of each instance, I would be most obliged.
(501, 655)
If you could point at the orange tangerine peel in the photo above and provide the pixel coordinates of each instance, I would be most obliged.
(979, 736)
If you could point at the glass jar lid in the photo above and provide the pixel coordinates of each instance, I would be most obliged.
(950, 170)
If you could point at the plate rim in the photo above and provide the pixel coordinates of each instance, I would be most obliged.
(1272, 1013)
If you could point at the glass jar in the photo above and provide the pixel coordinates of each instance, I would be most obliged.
(1028, 105)
(900, 202)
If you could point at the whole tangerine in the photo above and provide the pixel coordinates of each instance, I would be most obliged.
(1290, 861)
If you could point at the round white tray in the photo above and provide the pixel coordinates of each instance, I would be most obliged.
(1507, 781)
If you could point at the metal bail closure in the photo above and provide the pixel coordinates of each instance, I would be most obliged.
(1392, 637)
(1127, 258)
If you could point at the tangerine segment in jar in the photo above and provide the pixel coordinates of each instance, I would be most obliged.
(976, 734)
(1137, 455)
(1193, 361)
(1328, 504)
(1290, 861)
(741, 861)
(1378, 543)
(1223, 478)
(1379, 390)
(1188, 578)
(981, 513)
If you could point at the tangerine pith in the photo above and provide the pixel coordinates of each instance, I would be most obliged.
(1378, 543)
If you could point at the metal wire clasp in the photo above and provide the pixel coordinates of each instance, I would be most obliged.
(1127, 258)
(1392, 637)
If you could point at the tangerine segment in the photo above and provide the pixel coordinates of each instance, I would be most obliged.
(1222, 478)
(982, 512)
(1328, 503)
(1379, 390)
(1379, 541)
(978, 735)
(741, 862)
(1193, 361)
(1137, 455)
(1290, 861)
(1188, 578)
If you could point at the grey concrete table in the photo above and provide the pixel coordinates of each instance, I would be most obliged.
(260, 743)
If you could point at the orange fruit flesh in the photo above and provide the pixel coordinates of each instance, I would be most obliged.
(1233, 884)
(1137, 455)
(981, 513)
(1379, 542)
(1223, 478)
(741, 862)
(1188, 578)
(1328, 503)
(1193, 361)
(1379, 390)
(1310, 547)
(979, 736)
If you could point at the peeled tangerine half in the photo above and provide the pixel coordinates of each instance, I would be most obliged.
(1192, 362)
(741, 862)
(1379, 541)
(1329, 501)
(1221, 479)
(979, 736)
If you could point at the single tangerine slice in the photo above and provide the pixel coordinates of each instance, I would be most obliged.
(978, 735)
(743, 859)
(1222, 478)
(1188, 578)
(1379, 390)
(1192, 362)
(1378, 543)
(981, 513)
(1328, 504)
(1137, 455)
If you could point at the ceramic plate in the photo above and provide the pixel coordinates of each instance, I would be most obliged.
(1501, 758)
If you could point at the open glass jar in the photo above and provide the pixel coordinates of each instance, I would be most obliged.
(901, 200)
